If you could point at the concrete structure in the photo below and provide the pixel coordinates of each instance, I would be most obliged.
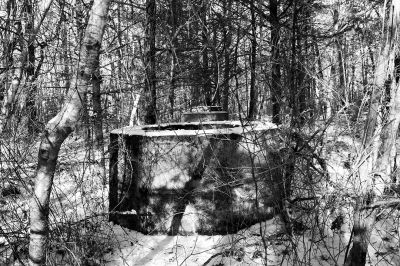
(191, 177)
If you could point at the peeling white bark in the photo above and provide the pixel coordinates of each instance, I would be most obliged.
(58, 129)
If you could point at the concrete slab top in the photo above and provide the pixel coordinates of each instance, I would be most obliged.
(194, 128)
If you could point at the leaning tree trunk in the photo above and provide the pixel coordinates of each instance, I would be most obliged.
(58, 129)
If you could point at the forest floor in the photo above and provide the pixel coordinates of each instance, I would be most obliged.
(81, 234)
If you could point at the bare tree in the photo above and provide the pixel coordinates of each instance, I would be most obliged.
(379, 138)
(252, 110)
(24, 57)
(150, 64)
(174, 18)
(276, 90)
(206, 79)
(58, 129)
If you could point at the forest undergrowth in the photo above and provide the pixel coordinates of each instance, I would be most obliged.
(315, 228)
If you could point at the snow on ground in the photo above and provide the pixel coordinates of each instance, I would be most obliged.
(243, 248)
(79, 194)
(246, 247)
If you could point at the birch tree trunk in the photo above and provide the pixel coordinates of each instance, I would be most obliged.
(58, 129)
(379, 140)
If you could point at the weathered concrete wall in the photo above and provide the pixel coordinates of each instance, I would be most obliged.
(190, 177)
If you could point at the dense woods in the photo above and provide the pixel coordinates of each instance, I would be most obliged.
(325, 72)
(273, 56)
